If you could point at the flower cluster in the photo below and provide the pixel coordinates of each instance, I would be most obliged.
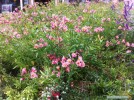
(98, 29)
(59, 22)
(65, 62)
(40, 44)
(33, 73)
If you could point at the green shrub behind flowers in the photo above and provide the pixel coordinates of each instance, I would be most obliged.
(64, 51)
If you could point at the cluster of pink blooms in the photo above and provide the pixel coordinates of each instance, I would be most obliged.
(86, 28)
(16, 35)
(40, 44)
(98, 29)
(105, 20)
(122, 41)
(33, 73)
(57, 40)
(65, 63)
(59, 22)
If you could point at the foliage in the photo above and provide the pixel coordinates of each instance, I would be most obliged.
(66, 51)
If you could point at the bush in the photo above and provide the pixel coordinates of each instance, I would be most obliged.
(65, 51)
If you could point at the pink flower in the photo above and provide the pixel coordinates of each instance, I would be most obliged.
(128, 51)
(85, 29)
(117, 37)
(132, 45)
(67, 69)
(18, 36)
(33, 75)
(65, 28)
(118, 42)
(65, 19)
(108, 19)
(127, 44)
(80, 62)
(63, 59)
(123, 41)
(107, 44)
(36, 46)
(33, 69)
(55, 61)
(74, 55)
(58, 74)
(24, 71)
(40, 45)
(65, 64)
(60, 39)
(41, 40)
(98, 29)
(45, 44)
(54, 25)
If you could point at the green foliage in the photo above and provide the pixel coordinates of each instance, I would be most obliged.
(105, 71)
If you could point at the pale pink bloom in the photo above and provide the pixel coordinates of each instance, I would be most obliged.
(65, 19)
(54, 25)
(24, 71)
(80, 62)
(108, 19)
(123, 41)
(117, 37)
(67, 69)
(65, 64)
(41, 40)
(69, 60)
(45, 44)
(74, 55)
(107, 44)
(36, 46)
(50, 37)
(33, 75)
(58, 74)
(128, 51)
(77, 30)
(65, 28)
(15, 33)
(55, 61)
(18, 36)
(118, 42)
(132, 45)
(85, 29)
(98, 29)
(33, 69)
(60, 39)
(127, 44)
(63, 59)
(40, 45)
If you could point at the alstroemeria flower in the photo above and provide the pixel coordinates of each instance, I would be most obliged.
(24, 71)
(80, 62)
